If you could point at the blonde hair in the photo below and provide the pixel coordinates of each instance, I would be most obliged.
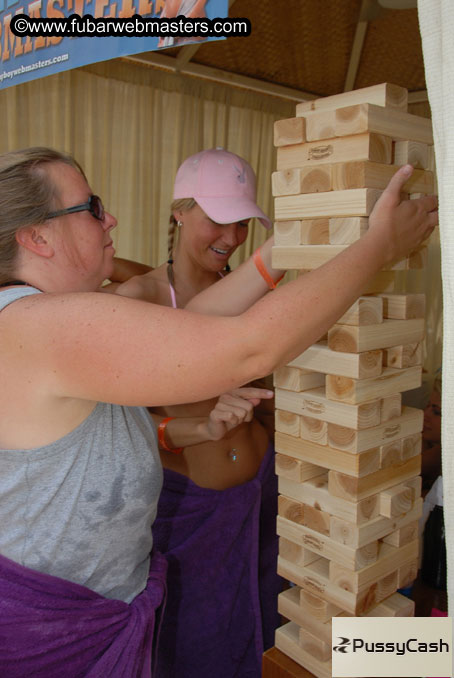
(183, 204)
(26, 197)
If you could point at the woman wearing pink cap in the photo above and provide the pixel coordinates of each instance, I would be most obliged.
(216, 514)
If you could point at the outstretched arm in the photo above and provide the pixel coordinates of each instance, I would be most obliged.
(235, 293)
(118, 350)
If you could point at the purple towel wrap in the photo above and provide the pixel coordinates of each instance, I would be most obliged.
(221, 546)
(53, 628)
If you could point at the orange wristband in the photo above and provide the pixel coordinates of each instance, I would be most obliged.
(261, 268)
(161, 437)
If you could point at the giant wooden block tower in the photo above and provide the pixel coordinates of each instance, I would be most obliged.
(348, 453)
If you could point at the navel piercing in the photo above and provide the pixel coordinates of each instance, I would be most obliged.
(233, 454)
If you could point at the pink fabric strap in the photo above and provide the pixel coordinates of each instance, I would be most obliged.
(173, 296)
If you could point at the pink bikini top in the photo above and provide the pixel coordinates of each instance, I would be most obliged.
(173, 295)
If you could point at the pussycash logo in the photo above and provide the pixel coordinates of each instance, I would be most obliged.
(411, 645)
(343, 645)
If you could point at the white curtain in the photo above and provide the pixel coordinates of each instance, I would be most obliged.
(436, 20)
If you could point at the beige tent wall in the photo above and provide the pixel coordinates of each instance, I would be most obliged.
(130, 126)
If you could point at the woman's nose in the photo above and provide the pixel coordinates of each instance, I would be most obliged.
(109, 221)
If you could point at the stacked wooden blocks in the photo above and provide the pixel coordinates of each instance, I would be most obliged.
(348, 453)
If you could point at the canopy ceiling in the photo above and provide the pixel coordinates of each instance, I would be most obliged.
(310, 48)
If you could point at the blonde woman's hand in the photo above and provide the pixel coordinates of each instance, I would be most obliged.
(233, 408)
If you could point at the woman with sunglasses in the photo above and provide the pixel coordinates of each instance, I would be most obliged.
(79, 466)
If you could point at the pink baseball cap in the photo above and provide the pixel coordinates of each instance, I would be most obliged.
(222, 183)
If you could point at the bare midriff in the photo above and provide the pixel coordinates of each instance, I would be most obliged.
(218, 464)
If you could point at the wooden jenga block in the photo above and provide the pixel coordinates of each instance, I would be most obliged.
(297, 379)
(277, 664)
(303, 514)
(315, 493)
(411, 152)
(320, 125)
(400, 450)
(353, 558)
(312, 256)
(391, 407)
(287, 233)
(316, 519)
(396, 500)
(316, 179)
(357, 487)
(391, 453)
(360, 536)
(416, 485)
(287, 640)
(403, 535)
(290, 509)
(365, 174)
(357, 391)
(305, 257)
(396, 605)
(317, 607)
(295, 469)
(407, 573)
(390, 558)
(403, 306)
(361, 118)
(384, 94)
(289, 131)
(354, 202)
(302, 180)
(315, 579)
(314, 232)
(315, 404)
(295, 553)
(388, 333)
(288, 604)
(375, 147)
(346, 230)
(351, 440)
(365, 311)
(403, 356)
(314, 646)
(320, 358)
(411, 446)
(314, 430)
(287, 422)
(286, 182)
(355, 465)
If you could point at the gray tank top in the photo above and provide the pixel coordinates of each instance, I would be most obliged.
(82, 507)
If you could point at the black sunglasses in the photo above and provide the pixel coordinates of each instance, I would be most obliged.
(94, 206)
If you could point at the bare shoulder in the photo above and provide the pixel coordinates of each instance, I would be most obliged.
(150, 287)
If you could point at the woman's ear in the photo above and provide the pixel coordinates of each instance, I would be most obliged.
(177, 214)
(33, 238)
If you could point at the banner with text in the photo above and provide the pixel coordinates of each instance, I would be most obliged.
(42, 37)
